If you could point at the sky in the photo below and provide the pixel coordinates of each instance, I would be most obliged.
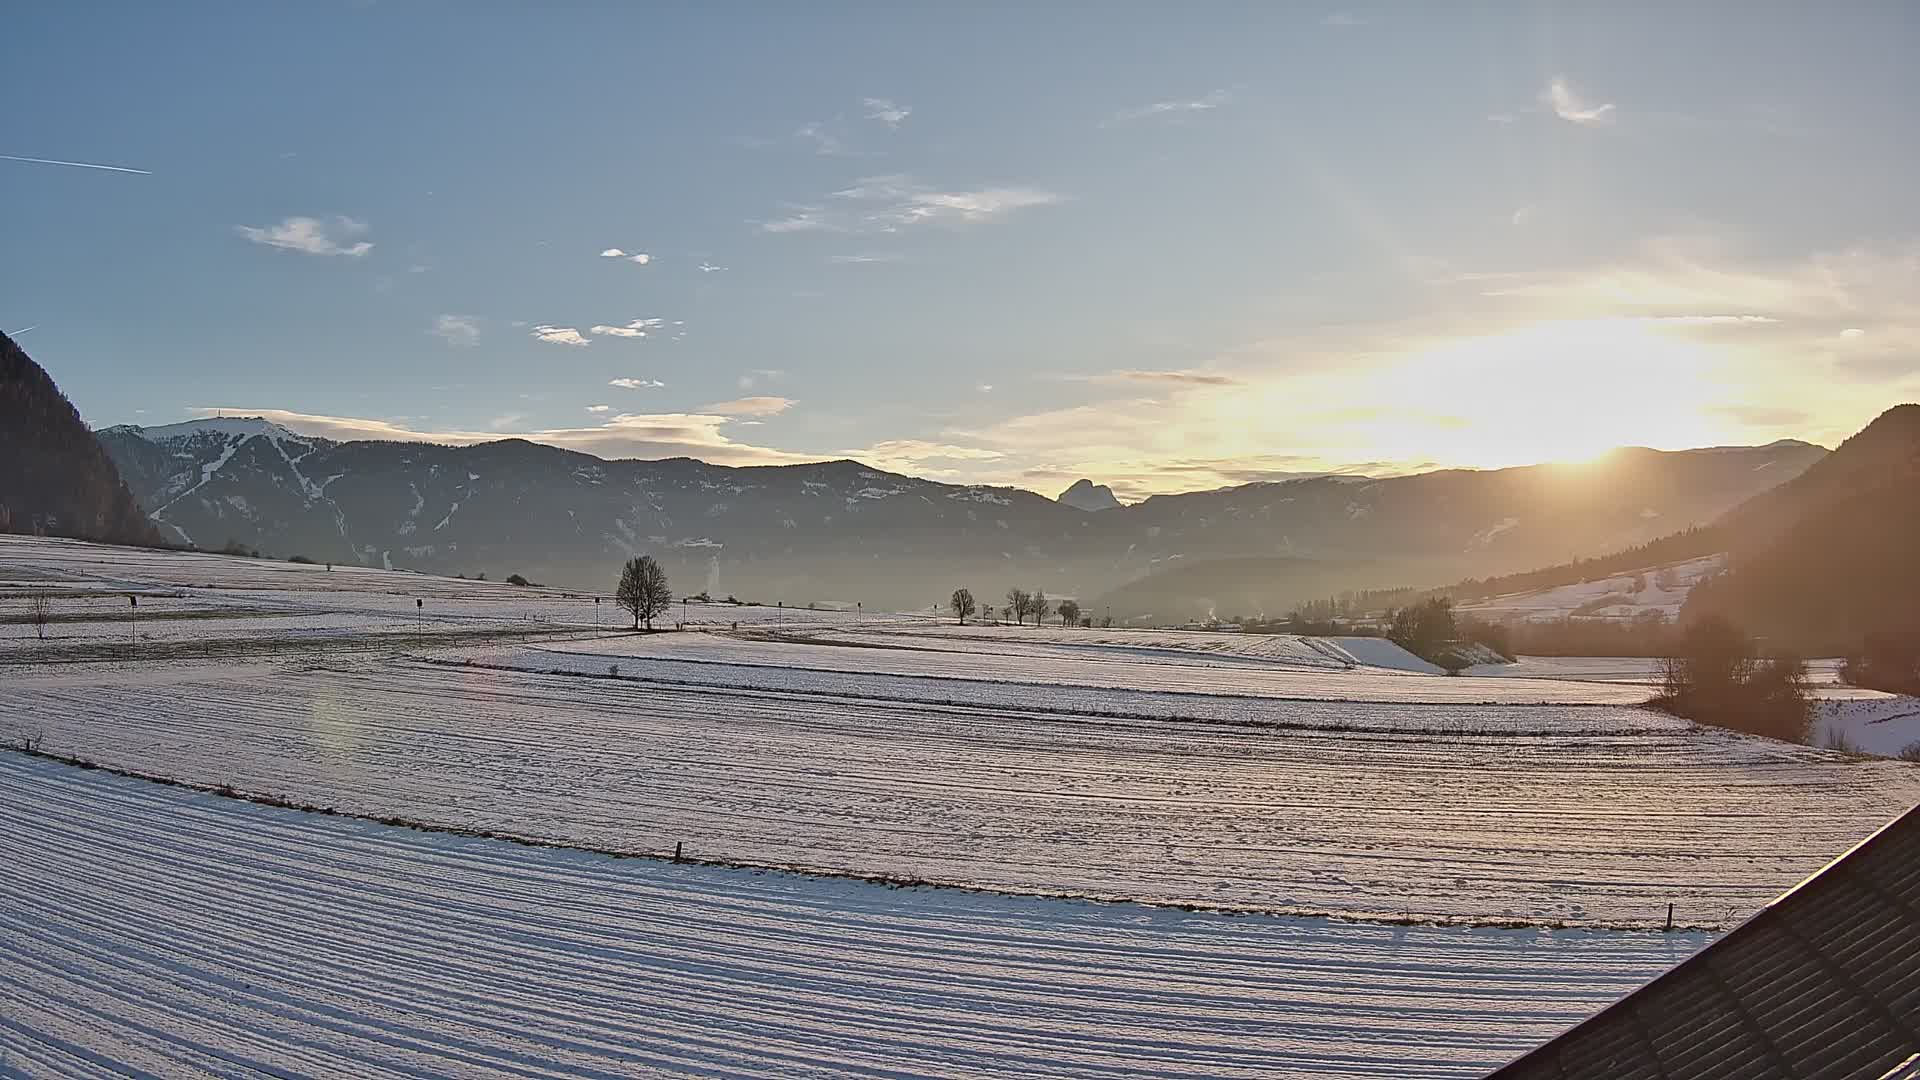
(1165, 247)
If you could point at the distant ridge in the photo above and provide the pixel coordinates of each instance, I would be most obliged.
(55, 478)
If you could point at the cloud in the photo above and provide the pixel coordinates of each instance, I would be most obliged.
(1853, 332)
(599, 408)
(1214, 100)
(640, 257)
(559, 335)
(984, 388)
(853, 260)
(1524, 215)
(636, 384)
(888, 203)
(750, 406)
(459, 331)
(802, 219)
(641, 435)
(824, 141)
(916, 456)
(309, 236)
(1160, 378)
(613, 253)
(636, 328)
(709, 268)
(749, 379)
(886, 112)
(1567, 105)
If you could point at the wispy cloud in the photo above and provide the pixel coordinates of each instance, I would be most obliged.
(1159, 378)
(640, 257)
(635, 329)
(883, 257)
(74, 164)
(885, 111)
(1568, 105)
(459, 331)
(310, 236)
(636, 384)
(613, 253)
(599, 408)
(709, 268)
(824, 140)
(1214, 100)
(559, 335)
(750, 406)
(887, 203)
(800, 219)
(749, 379)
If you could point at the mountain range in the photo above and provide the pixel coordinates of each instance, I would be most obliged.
(842, 531)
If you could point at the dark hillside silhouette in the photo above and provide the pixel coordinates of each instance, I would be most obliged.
(1827, 559)
(55, 479)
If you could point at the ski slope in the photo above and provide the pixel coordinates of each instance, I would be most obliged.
(151, 931)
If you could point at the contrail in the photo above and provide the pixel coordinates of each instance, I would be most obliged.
(75, 164)
(22, 330)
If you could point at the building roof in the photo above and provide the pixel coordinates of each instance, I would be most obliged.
(1823, 982)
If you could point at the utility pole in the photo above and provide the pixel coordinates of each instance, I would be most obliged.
(596, 616)
(133, 605)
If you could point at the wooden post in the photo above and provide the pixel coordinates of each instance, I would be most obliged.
(676, 851)
(1669, 915)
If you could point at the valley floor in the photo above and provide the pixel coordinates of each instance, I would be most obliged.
(1169, 853)
(151, 930)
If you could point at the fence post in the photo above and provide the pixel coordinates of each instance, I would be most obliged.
(1669, 915)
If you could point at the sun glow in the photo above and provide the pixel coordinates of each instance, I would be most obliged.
(1559, 391)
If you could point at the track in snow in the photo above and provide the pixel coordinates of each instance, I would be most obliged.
(147, 930)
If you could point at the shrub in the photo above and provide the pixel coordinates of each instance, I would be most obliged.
(300, 559)
(1910, 752)
(516, 579)
(1715, 675)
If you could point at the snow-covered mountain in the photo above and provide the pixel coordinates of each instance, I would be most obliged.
(843, 531)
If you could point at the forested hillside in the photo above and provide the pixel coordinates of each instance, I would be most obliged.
(55, 479)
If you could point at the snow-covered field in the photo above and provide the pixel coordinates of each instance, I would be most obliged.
(1047, 665)
(153, 931)
(1621, 597)
(1086, 784)
(1389, 810)
(1881, 724)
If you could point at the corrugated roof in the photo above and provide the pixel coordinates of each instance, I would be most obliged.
(1823, 982)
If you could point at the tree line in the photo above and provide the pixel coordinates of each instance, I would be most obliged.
(1021, 603)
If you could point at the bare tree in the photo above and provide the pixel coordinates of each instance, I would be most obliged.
(1039, 607)
(1019, 602)
(962, 604)
(40, 612)
(643, 590)
(1069, 612)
